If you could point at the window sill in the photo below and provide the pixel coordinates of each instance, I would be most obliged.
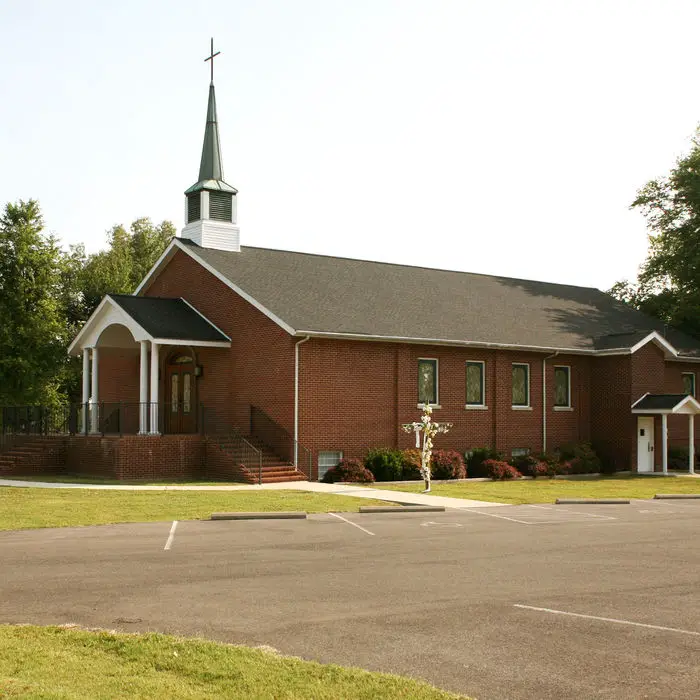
(522, 408)
(475, 407)
(432, 405)
(563, 408)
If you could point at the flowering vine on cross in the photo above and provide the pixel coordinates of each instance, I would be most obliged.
(428, 429)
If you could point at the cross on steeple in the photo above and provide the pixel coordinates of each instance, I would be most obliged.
(211, 58)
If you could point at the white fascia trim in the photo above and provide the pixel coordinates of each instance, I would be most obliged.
(659, 340)
(652, 411)
(640, 398)
(235, 288)
(168, 252)
(86, 327)
(687, 400)
(198, 343)
(683, 358)
(205, 318)
(441, 341)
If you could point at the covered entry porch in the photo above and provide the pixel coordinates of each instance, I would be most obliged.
(156, 339)
(651, 408)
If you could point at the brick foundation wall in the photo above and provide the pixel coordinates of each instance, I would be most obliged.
(158, 457)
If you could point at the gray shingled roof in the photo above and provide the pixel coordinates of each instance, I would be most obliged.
(168, 318)
(339, 295)
(659, 402)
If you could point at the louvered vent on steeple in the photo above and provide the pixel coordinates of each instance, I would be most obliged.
(220, 206)
(194, 207)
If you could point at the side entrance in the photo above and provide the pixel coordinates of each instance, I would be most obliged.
(180, 409)
(645, 444)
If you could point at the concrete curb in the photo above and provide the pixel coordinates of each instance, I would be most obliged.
(402, 509)
(281, 515)
(588, 501)
(673, 496)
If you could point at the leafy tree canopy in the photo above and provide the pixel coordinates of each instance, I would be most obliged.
(33, 327)
(668, 286)
(47, 294)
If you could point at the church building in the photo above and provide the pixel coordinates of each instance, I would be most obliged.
(237, 362)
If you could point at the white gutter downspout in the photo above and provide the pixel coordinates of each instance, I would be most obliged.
(544, 400)
(296, 399)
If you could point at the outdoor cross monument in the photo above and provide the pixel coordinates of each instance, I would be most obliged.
(428, 430)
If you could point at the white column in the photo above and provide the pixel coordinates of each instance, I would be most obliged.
(154, 388)
(143, 389)
(664, 442)
(86, 389)
(691, 443)
(94, 392)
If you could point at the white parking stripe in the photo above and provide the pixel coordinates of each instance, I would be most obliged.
(171, 536)
(608, 619)
(575, 512)
(349, 522)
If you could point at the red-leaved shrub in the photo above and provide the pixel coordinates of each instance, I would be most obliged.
(500, 471)
(411, 465)
(348, 470)
(448, 464)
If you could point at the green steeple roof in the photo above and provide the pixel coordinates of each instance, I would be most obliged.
(211, 169)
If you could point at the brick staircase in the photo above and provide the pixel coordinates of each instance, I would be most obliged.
(274, 469)
(31, 455)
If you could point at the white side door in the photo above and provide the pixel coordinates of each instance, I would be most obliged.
(645, 444)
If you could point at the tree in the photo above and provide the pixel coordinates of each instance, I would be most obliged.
(668, 286)
(33, 327)
(127, 260)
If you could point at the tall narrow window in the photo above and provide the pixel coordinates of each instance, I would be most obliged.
(521, 384)
(475, 384)
(186, 393)
(174, 393)
(562, 387)
(689, 383)
(427, 381)
(326, 460)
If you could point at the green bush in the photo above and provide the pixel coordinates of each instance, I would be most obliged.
(581, 457)
(476, 459)
(385, 463)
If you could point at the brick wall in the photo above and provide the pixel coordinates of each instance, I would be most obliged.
(673, 384)
(176, 457)
(258, 369)
(354, 395)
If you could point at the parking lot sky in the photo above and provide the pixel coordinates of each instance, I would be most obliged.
(502, 136)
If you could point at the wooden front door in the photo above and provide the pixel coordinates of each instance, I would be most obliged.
(180, 409)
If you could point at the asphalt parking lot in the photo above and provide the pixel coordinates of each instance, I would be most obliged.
(511, 602)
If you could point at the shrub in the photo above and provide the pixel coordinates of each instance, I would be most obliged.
(581, 457)
(525, 464)
(479, 455)
(678, 458)
(410, 470)
(447, 464)
(348, 470)
(500, 471)
(540, 469)
(385, 463)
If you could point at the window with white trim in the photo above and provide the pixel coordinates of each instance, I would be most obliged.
(521, 384)
(689, 383)
(427, 381)
(475, 383)
(328, 459)
(562, 386)
(520, 452)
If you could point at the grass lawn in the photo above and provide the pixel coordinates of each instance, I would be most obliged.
(22, 508)
(68, 479)
(53, 662)
(548, 490)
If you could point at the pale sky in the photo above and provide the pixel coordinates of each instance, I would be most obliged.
(502, 136)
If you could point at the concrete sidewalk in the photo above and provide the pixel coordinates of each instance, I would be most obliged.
(417, 499)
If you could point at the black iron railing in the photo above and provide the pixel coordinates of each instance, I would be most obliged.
(279, 440)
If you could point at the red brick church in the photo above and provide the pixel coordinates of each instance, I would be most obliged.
(241, 362)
